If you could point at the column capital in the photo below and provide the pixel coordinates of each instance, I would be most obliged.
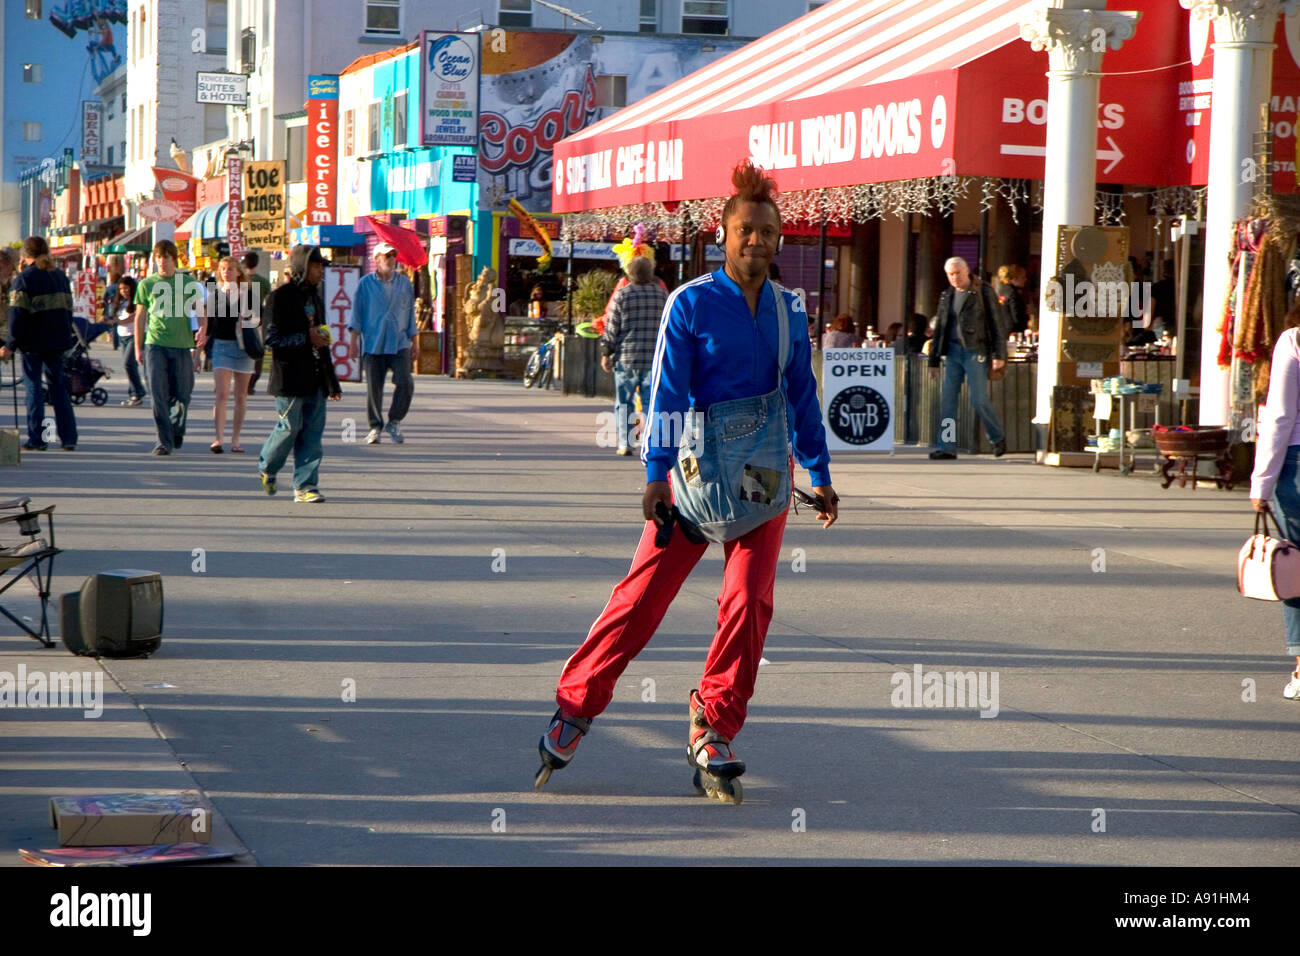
(1240, 21)
(1076, 39)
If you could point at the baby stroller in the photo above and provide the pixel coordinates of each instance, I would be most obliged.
(82, 372)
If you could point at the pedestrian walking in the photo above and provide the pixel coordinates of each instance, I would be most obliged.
(384, 317)
(229, 306)
(121, 310)
(719, 350)
(302, 376)
(629, 344)
(166, 303)
(968, 337)
(261, 287)
(8, 264)
(40, 327)
(1275, 482)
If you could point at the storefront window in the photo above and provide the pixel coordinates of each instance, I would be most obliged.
(515, 13)
(383, 16)
(216, 27)
(705, 16)
(375, 124)
(611, 90)
(399, 119)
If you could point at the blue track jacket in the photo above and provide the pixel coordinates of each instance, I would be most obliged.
(711, 348)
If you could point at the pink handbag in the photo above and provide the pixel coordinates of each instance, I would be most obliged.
(1268, 569)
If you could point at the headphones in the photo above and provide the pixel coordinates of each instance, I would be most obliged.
(720, 237)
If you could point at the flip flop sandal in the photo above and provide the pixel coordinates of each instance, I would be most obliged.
(216, 448)
(236, 449)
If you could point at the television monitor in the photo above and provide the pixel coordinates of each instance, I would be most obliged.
(122, 612)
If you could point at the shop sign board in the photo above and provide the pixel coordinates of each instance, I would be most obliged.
(449, 74)
(85, 300)
(341, 284)
(180, 188)
(235, 204)
(230, 89)
(263, 219)
(464, 168)
(92, 128)
(858, 389)
(322, 153)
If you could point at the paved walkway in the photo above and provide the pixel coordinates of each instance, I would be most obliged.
(446, 580)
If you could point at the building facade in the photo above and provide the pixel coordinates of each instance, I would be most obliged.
(168, 43)
(49, 66)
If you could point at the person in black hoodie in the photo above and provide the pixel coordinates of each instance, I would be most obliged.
(40, 326)
(302, 375)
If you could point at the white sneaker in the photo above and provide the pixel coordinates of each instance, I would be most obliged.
(373, 437)
(1292, 689)
(394, 432)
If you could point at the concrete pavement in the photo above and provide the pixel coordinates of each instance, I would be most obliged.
(1122, 735)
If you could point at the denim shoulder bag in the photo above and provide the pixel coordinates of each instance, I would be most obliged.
(732, 472)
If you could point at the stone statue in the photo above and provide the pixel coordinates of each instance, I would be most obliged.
(485, 349)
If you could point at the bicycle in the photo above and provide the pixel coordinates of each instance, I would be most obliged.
(540, 369)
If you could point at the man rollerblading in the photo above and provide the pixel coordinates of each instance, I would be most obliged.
(731, 348)
(559, 744)
(717, 769)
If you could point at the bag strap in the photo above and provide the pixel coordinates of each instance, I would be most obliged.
(783, 333)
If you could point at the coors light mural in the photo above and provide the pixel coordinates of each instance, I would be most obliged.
(538, 88)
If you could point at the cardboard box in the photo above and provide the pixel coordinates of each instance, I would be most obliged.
(132, 819)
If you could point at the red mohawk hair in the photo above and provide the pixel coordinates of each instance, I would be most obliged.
(752, 184)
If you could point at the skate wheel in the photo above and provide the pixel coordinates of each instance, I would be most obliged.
(699, 787)
(543, 775)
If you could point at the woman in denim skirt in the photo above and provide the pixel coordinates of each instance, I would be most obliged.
(229, 302)
(1275, 484)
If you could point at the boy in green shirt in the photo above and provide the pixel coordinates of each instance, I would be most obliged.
(165, 301)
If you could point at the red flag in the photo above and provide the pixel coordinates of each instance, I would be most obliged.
(409, 245)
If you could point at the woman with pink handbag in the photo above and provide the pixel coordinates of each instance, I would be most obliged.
(1277, 467)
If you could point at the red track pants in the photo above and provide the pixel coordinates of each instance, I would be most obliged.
(642, 598)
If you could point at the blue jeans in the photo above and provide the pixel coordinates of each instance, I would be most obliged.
(957, 363)
(43, 377)
(171, 383)
(299, 430)
(136, 387)
(1286, 509)
(376, 368)
(627, 381)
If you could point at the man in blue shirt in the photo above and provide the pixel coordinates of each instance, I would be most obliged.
(717, 341)
(384, 317)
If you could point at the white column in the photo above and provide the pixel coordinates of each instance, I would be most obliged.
(1075, 39)
(1243, 72)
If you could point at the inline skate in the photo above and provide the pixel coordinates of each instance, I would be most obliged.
(717, 769)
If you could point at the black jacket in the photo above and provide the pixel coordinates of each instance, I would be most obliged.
(1015, 316)
(980, 329)
(297, 369)
(40, 312)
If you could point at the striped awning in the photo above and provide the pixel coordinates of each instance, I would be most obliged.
(206, 223)
(846, 44)
(869, 91)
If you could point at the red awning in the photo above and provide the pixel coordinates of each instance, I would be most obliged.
(863, 91)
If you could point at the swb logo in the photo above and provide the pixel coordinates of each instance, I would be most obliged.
(858, 415)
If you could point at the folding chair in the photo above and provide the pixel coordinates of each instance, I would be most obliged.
(32, 559)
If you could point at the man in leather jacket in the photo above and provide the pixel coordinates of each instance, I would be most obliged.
(302, 375)
(968, 336)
